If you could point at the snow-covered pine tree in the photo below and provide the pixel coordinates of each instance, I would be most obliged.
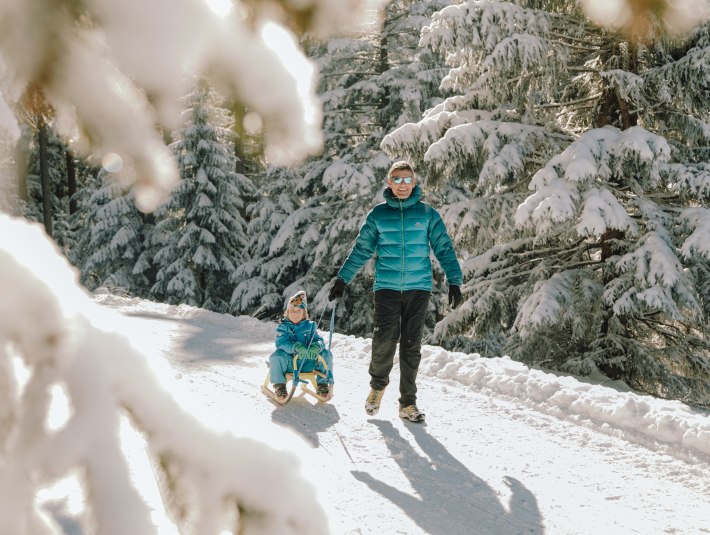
(111, 233)
(371, 82)
(81, 221)
(605, 265)
(200, 230)
(260, 279)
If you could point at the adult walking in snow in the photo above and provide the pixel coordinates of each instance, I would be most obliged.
(296, 335)
(401, 231)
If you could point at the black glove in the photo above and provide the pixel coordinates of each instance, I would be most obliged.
(338, 288)
(455, 298)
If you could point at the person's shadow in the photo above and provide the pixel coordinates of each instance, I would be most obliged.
(448, 499)
(305, 419)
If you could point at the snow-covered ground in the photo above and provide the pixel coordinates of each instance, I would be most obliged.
(505, 449)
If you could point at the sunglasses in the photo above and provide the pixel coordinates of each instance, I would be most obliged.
(399, 179)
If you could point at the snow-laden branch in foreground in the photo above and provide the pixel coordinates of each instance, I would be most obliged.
(211, 482)
(109, 71)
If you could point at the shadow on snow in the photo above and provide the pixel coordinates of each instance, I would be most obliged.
(204, 341)
(449, 499)
(317, 419)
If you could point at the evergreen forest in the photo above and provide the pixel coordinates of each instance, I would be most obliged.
(570, 163)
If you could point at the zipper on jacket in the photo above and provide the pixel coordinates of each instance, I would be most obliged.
(401, 220)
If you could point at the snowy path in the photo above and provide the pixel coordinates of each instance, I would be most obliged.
(485, 463)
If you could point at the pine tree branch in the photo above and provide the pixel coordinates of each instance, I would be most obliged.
(567, 37)
(557, 254)
(683, 328)
(586, 47)
(570, 103)
(576, 68)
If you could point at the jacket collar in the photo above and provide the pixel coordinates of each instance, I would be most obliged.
(394, 202)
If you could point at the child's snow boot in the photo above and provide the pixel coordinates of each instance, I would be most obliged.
(280, 392)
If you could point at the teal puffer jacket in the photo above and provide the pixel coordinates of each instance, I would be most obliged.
(402, 233)
(288, 334)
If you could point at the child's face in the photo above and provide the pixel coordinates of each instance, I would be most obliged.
(296, 314)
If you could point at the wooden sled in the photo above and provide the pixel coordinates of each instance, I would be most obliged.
(307, 380)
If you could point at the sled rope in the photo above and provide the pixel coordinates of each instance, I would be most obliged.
(330, 339)
(297, 370)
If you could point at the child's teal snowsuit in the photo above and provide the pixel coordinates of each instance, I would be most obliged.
(287, 335)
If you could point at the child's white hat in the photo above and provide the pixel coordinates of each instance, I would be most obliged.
(298, 300)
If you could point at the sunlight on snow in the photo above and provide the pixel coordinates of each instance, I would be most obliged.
(59, 408)
(66, 495)
(22, 372)
(220, 7)
(282, 42)
(143, 475)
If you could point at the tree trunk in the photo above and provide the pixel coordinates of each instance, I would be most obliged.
(238, 111)
(629, 117)
(71, 181)
(604, 111)
(44, 178)
(606, 246)
(613, 107)
(382, 67)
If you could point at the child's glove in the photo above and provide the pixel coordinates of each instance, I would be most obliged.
(313, 351)
(300, 349)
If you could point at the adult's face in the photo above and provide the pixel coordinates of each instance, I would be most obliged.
(398, 183)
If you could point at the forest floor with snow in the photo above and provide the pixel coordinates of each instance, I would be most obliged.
(505, 449)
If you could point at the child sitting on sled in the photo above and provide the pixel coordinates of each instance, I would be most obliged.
(297, 335)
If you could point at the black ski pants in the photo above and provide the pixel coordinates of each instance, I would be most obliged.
(399, 317)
